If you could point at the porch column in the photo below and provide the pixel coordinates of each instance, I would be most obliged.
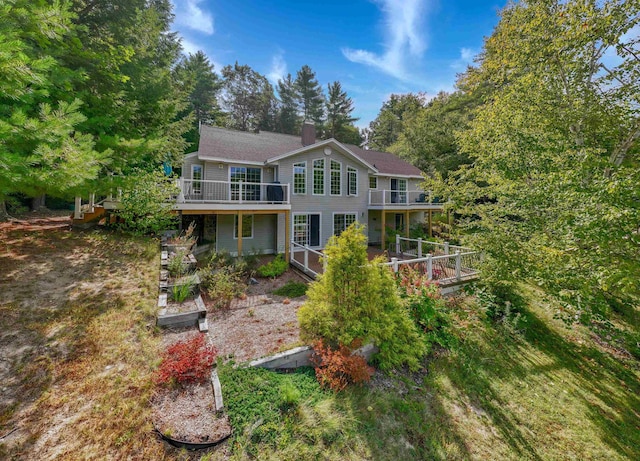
(382, 232)
(77, 209)
(429, 221)
(239, 233)
(406, 223)
(287, 238)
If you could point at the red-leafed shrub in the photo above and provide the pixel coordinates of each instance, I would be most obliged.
(337, 368)
(186, 361)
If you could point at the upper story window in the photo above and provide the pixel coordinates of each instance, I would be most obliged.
(373, 182)
(300, 178)
(318, 177)
(398, 190)
(251, 179)
(196, 176)
(336, 174)
(352, 175)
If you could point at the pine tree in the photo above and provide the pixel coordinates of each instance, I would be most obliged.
(339, 123)
(310, 95)
(288, 120)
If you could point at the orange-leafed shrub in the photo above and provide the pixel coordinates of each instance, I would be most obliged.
(337, 368)
(186, 361)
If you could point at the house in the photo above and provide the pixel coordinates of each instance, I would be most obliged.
(255, 192)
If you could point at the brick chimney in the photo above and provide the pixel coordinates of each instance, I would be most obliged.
(308, 133)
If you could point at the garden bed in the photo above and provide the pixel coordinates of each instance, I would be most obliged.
(184, 314)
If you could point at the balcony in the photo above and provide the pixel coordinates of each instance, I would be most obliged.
(232, 195)
(404, 200)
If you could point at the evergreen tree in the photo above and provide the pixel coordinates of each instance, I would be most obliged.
(247, 97)
(195, 73)
(389, 124)
(288, 120)
(339, 124)
(310, 97)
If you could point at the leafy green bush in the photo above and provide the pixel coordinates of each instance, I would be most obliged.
(222, 285)
(275, 268)
(358, 300)
(177, 266)
(291, 290)
(181, 291)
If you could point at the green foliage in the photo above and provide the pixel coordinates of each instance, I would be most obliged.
(288, 120)
(357, 300)
(551, 196)
(310, 97)
(248, 97)
(339, 121)
(275, 268)
(385, 130)
(177, 266)
(146, 202)
(222, 284)
(291, 290)
(426, 306)
(182, 290)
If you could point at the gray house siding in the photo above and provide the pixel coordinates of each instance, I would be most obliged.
(327, 205)
(263, 240)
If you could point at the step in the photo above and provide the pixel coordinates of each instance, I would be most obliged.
(162, 300)
(203, 325)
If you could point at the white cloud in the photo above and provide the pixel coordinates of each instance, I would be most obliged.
(403, 39)
(189, 47)
(465, 59)
(189, 14)
(278, 68)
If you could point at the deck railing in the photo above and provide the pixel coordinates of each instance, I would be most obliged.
(307, 260)
(418, 247)
(205, 191)
(402, 198)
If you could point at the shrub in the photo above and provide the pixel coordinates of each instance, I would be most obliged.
(180, 292)
(222, 285)
(186, 362)
(291, 290)
(176, 266)
(337, 368)
(358, 299)
(273, 269)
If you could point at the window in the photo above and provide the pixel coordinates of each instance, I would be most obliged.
(247, 226)
(373, 182)
(301, 229)
(250, 177)
(300, 178)
(352, 175)
(318, 177)
(196, 176)
(398, 190)
(336, 173)
(341, 221)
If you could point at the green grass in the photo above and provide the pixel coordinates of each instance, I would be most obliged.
(546, 393)
(291, 290)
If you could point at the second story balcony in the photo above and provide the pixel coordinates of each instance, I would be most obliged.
(232, 195)
(402, 199)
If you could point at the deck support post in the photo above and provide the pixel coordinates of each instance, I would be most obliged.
(446, 248)
(92, 202)
(430, 224)
(394, 264)
(287, 244)
(429, 267)
(406, 223)
(419, 248)
(77, 209)
(397, 244)
(240, 232)
(382, 231)
(458, 265)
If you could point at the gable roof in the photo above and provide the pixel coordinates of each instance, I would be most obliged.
(223, 144)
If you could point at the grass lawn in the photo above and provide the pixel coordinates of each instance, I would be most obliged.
(548, 393)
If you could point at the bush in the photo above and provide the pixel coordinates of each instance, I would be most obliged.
(358, 299)
(222, 285)
(337, 368)
(275, 268)
(291, 290)
(181, 291)
(186, 362)
(176, 266)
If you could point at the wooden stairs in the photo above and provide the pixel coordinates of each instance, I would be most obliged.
(92, 217)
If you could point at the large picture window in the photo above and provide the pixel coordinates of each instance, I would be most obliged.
(318, 177)
(247, 226)
(250, 177)
(352, 174)
(341, 221)
(336, 174)
(300, 178)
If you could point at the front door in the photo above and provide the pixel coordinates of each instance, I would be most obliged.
(314, 230)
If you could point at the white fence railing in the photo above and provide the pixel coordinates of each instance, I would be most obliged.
(197, 191)
(418, 247)
(307, 260)
(398, 197)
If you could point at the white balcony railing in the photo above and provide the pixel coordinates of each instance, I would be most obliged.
(195, 191)
(401, 197)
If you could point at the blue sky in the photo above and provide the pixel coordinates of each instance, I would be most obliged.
(374, 48)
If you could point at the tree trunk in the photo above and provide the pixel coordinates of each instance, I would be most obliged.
(38, 202)
(4, 216)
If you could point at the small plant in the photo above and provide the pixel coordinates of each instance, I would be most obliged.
(180, 292)
(291, 290)
(289, 396)
(251, 313)
(186, 237)
(273, 269)
(286, 301)
(337, 368)
(222, 285)
(177, 266)
(186, 362)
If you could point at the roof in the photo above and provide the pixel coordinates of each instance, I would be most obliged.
(243, 146)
